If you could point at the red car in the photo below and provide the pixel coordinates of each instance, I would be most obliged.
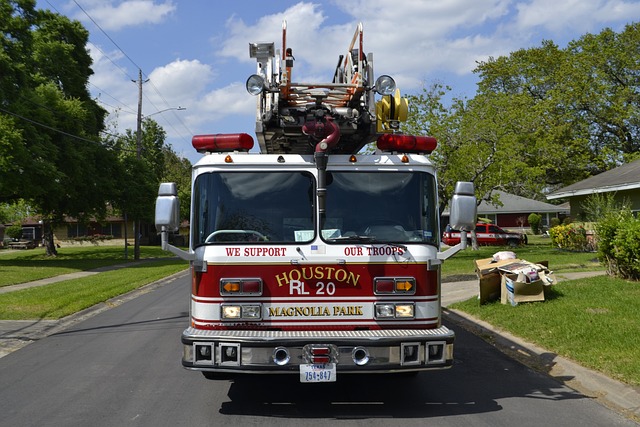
(486, 234)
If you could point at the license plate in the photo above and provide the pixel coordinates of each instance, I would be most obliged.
(318, 373)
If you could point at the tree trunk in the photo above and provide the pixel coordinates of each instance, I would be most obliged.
(474, 241)
(47, 240)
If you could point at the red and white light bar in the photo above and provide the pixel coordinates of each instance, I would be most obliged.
(407, 143)
(222, 142)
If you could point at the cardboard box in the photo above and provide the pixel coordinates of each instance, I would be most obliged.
(506, 281)
(514, 291)
(489, 277)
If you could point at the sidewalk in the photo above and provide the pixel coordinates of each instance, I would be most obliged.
(617, 396)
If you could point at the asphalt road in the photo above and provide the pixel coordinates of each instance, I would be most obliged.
(122, 368)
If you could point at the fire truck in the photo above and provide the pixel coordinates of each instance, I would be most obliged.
(316, 256)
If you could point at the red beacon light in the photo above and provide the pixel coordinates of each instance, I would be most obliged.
(407, 143)
(222, 142)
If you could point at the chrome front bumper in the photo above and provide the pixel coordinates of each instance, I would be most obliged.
(284, 351)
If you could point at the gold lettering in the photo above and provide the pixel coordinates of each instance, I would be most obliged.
(353, 279)
(316, 311)
(319, 273)
(282, 280)
(307, 273)
(329, 272)
(294, 273)
(350, 310)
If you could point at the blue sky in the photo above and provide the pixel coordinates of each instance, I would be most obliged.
(195, 53)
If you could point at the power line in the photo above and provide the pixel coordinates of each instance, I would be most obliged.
(80, 138)
(124, 72)
(107, 35)
(166, 103)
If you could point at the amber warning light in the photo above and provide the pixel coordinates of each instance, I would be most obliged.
(407, 143)
(220, 143)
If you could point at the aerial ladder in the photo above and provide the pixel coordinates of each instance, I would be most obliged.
(340, 117)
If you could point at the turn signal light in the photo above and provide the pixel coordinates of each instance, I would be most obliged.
(395, 285)
(241, 286)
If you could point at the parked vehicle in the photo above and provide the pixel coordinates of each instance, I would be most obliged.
(486, 234)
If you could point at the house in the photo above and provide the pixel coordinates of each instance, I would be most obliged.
(515, 210)
(111, 231)
(623, 182)
(74, 232)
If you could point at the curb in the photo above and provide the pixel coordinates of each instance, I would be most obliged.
(620, 397)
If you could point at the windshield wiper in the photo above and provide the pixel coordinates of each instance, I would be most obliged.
(354, 238)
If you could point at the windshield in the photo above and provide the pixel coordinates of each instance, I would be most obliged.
(253, 207)
(387, 207)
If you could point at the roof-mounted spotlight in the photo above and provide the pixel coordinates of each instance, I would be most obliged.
(385, 85)
(261, 51)
(255, 84)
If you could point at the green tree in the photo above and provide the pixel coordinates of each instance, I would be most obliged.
(576, 110)
(50, 145)
(142, 169)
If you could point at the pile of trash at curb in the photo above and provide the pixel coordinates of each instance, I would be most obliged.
(511, 280)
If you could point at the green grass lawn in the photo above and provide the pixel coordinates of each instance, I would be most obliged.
(594, 321)
(61, 299)
(33, 264)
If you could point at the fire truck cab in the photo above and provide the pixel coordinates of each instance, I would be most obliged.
(311, 257)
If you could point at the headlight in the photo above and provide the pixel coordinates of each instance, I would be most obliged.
(251, 312)
(404, 310)
(385, 85)
(255, 84)
(395, 311)
(385, 311)
(241, 312)
(231, 311)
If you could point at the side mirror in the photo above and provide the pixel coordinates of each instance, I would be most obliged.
(463, 208)
(167, 207)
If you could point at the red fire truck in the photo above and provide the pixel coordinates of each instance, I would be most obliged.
(314, 257)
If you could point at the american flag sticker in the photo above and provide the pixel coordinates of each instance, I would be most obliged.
(315, 249)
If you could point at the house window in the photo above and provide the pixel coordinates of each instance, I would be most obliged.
(110, 229)
(76, 230)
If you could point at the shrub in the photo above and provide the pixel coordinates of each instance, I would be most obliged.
(14, 231)
(626, 249)
(554, 222)
(534, 222)
(572, 237)
(615, 233)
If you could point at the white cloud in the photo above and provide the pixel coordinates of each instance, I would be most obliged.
(110, 15)
(408, 38)
(180, 81)
(416, 42)
(571, 16)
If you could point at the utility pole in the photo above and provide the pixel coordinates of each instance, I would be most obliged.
(136, 220)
